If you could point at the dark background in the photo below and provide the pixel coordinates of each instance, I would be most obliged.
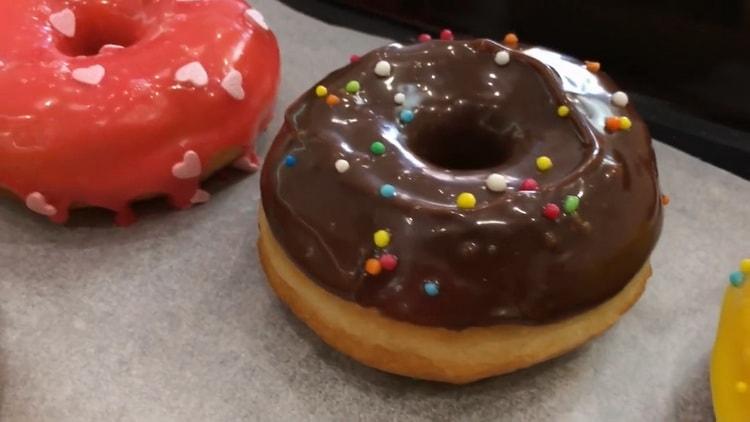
(685, 64)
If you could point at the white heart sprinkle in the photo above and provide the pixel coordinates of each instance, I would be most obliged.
(193, 72)
(496, 182)
(255, 15)
(341, 165)
(502, 58)
(189, 167)
(91, 75)
(200, 196)
(383, 69)
(245, 164)
(38, 203)
(620, 99)
(232, 84)
(64, 21)
(399, 98)
(106, 47)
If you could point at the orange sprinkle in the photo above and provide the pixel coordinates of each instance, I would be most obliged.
(612, 123)
(373, 266)
(510, 39)
(593, 66)
(332, 100)
(665, 200)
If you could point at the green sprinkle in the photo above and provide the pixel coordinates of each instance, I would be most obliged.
(352, 87)
(571, 204)
(377, 148)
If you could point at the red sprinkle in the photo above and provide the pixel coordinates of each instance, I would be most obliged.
(529, 184)
(353, 58)
(446, 35)
(424, 37)
(388, 262)
(551, 211)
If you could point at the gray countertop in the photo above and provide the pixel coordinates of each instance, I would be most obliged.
(171, 319)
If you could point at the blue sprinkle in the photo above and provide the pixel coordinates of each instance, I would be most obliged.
(432, 288)
(387, 191)
(406, 116)
(290, 161)
(736, 278)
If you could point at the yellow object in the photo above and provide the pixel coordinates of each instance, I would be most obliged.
(563, 111)
(382, 238)
(730, 364)
(745, 265)
(625, 123)
(543, 163)
(321, 91)
(466, 201)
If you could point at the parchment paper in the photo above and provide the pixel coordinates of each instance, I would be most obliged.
(171, 319)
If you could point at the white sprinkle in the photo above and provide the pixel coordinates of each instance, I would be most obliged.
(232, 84)
(106, 47)
(91, 75)
(341, 165)
(193, 72)
(64, 22)
(502, 58)
(200, 197)
(383, 69)
(496, 182)
(399, 98)
(38, 203)
(255, 15)
(620, 99)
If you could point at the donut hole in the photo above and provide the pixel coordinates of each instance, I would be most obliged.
(462, 138)
(98, 25)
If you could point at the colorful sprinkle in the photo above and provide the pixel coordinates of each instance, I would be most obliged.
(563, 111)
(502, 58)
(352, 87)
(496, 182)
(446, 35)
(737, 278)
(399, 98)
(341, 165)
(387, 191)
(570, 205)
(466, 201)
(543, 163)
(424, 37)
(745, 266)
(332, 100)
(377, 148)
(381, 238)
(406, 116)
(321, 91)
(431, 288)
(592, 66)
(373, 267)
(388, 262)
(529, 185)
(665, 200)
(625, 123)
(382, 69)
(510, 39)
(354, 58)
(612, 123)
(551, 211)
(290, 161)
(620, 99)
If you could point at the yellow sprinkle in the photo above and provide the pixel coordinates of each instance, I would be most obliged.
(625, 123)
(321, 91)
(382, 238)
(466, 201)
(745, 265)
(741, 387)
(563, 110)
(543, 163)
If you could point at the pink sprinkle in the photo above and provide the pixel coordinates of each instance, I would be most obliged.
(529, 185)
(388, 262)
(424, 37)
(446, 35)
(353, 58)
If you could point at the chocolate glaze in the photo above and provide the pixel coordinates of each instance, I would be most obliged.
(503, 261)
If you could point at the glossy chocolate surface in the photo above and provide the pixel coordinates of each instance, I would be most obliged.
(502, 261)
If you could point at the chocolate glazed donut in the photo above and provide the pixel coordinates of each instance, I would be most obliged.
(464, 183)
